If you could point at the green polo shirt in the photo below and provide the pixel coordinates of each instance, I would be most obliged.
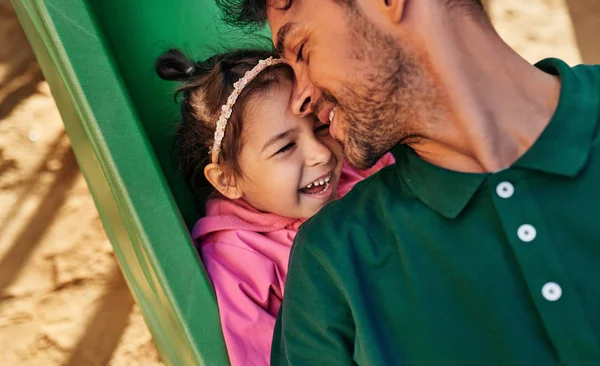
(419, 265)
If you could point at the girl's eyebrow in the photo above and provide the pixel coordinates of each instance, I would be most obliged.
(278, 137)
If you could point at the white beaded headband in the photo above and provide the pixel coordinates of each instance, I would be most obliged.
(238, 86)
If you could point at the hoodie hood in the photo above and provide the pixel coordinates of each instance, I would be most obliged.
(224, 214)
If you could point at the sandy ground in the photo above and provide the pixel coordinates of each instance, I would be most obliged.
(63, 300)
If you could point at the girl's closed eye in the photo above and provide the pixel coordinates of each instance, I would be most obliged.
(285, 148)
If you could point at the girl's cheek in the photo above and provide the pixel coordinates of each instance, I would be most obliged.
(336, 149)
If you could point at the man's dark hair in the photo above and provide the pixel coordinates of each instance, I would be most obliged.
(253, 13)
(245, 13)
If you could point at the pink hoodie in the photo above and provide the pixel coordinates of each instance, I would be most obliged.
(246, 255)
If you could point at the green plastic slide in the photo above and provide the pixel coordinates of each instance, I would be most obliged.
(98, 57)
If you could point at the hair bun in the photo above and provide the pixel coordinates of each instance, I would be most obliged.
(174, 65)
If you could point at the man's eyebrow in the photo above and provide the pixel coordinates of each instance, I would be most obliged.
(282, 34)
(278, 137)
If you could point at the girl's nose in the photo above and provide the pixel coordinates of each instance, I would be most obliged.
(317, 153)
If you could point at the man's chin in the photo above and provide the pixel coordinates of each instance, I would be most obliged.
(360, 160)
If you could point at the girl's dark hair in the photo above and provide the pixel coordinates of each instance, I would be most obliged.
(206, 87)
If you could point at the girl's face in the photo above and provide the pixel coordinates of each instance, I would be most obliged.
(291, 165)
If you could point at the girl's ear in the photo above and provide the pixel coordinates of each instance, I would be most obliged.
(225, 185)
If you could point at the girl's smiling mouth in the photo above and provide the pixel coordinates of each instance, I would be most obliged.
(318, 186)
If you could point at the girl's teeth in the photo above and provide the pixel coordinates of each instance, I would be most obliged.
(325, 188)
(319, 182)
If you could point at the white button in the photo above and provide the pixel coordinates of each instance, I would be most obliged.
(526, 233)
(551, 291)
(505, 190)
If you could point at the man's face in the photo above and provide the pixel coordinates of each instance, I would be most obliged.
(351, 71)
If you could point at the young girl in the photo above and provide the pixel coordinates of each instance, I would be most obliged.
(271, 170)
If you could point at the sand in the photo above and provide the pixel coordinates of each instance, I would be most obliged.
(63, 300)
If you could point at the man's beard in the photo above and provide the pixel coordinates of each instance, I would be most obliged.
(383, 107)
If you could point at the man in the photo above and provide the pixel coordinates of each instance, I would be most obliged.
(481, 246)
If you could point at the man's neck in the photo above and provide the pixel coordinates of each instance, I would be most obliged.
(494, 104)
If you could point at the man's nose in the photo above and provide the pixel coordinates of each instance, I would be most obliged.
(303, 94)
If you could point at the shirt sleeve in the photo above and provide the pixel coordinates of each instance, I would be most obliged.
(315, 325)
(248, 295)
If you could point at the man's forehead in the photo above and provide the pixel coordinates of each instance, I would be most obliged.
(281, 4)
(279, 15)
(277, 22)
(279, 11)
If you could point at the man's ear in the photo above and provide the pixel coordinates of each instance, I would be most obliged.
(394, 9)
(222, 183)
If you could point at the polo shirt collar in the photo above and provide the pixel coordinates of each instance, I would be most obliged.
(563, 148)
(445, 191)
